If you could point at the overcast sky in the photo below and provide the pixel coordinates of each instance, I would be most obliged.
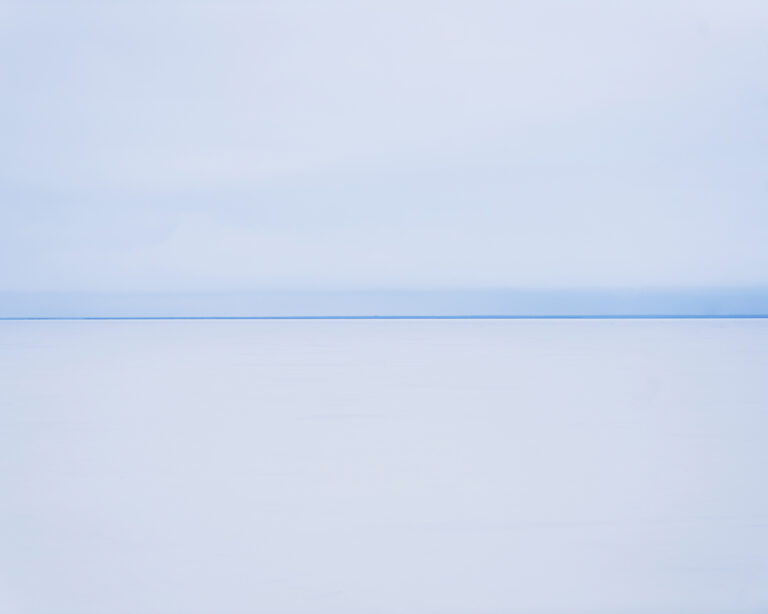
(231, 145)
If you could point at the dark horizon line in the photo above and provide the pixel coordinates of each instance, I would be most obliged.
(417, 317)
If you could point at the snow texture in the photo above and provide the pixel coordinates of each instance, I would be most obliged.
(410, 467)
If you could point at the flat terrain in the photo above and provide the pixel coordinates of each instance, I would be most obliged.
(409, 467)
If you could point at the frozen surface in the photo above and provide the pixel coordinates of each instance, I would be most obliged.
(385, 467)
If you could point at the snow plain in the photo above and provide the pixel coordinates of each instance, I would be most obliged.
(410, 467)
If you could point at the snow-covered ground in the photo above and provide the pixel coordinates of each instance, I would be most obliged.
(410, 467)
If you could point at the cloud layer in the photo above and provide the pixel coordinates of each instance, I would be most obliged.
(235, 146)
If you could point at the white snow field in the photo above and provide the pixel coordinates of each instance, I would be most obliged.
(388, 467)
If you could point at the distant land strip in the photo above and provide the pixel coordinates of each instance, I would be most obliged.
(417, 317)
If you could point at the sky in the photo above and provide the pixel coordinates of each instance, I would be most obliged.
(232, 146)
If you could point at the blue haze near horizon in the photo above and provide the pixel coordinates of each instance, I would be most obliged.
(475, 302)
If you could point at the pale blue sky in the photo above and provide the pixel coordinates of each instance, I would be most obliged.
(220, 145)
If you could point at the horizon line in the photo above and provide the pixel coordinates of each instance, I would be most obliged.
(416, 317)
